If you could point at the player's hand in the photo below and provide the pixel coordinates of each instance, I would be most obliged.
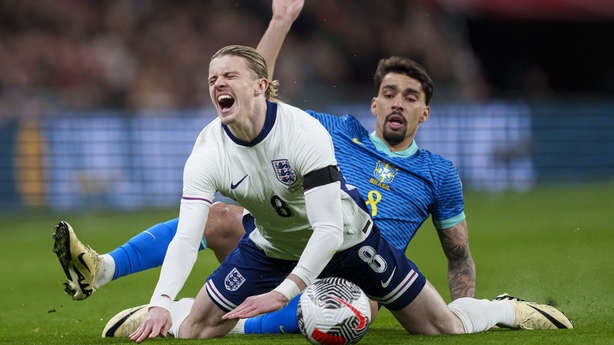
(156, 323)
(256, 305)
(287, 9)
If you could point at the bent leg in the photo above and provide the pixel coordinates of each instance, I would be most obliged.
(374, 309)
(145, 250)
(386, 274)
(205, 319)
(429, 314)
(247, 271)
(224, 229)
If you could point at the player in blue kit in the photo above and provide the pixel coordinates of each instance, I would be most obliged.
(404, 185)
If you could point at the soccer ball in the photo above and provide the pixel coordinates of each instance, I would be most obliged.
(333, 311)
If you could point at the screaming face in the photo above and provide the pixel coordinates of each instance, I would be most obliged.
(225, 101)
(232, 87)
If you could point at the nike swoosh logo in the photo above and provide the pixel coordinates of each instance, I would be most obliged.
(355, 140)
(111, 331)
(554, 321)
(387, 282)
(362, 320)
(80, 257)
(235, 185)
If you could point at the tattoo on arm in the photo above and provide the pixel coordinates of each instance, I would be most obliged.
(461, 268)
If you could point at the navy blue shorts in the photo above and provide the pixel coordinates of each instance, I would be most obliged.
(383, 272)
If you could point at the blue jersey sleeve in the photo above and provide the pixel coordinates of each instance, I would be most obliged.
(448, 209)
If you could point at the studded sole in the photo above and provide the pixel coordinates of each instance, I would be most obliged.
(61, 247)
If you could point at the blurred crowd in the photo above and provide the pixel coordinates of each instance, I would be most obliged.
(154, 54)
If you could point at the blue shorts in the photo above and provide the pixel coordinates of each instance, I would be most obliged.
(383, 272)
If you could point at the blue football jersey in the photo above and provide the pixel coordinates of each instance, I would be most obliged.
(401, 192)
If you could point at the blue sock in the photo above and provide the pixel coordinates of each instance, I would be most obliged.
(280, 321)
(145, 250)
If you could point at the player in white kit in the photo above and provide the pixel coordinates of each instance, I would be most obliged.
(279, 163)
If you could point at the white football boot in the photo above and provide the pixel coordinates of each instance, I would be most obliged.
(530, 315)
(125, 322)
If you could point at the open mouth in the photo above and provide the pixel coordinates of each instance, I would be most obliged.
(395, 121)
(225, 101)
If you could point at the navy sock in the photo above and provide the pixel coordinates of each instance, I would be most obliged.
(145, 250)
(280, 321)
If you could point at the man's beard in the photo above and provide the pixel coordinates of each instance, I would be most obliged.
(394, 138)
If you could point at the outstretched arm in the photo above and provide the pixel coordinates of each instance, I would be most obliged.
(461, 269)
(285, 13)
(325, 214)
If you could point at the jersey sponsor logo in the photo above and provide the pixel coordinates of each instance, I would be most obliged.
(234, 280)
(384, 172)
(235, 185)
(387, 282)
(284, 172)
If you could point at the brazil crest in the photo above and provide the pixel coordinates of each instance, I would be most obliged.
(384, 172)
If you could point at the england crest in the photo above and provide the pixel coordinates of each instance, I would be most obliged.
(384, 172)
(284, 172)
(234, 280)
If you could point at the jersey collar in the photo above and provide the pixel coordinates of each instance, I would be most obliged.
(271, 115)
(380, 145)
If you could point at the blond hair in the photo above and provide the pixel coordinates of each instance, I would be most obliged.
(255, 62)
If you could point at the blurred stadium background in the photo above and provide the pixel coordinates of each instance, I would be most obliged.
(100, 101)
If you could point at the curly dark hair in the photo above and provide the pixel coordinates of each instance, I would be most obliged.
(408, 67)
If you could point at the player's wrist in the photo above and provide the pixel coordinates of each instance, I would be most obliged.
(288, 288)
(281, 23)
(161, 301)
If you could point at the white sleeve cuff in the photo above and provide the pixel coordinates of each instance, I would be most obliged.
(161, 301)
(288, 288)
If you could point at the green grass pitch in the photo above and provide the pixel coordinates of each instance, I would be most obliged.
(550, 244)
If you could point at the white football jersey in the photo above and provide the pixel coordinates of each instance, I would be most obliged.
(266, 177)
